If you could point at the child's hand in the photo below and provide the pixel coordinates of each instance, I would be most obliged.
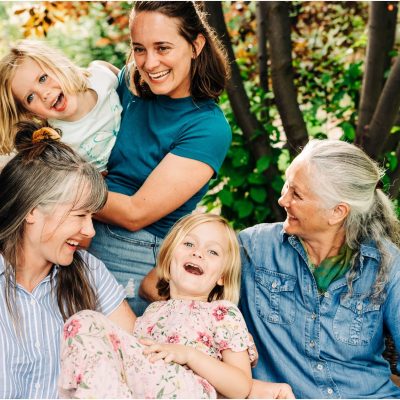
(168, 352)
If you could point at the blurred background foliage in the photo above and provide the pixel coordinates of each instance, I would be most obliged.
(327, 58)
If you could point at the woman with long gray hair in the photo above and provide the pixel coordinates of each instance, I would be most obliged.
(47, 198)
(321, 290)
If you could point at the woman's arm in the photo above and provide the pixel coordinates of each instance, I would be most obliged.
(148, 289)
(230, 377)
(173, 182)
(124, 317)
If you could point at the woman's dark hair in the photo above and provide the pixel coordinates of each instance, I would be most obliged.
(46, 172)
(210, 69)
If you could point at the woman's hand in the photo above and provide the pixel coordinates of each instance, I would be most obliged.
(270, 390)
(168, 352)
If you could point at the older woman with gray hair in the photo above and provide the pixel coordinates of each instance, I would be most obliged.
(322, 289)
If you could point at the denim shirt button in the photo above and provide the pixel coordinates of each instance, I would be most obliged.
(320, 367)
(275, 318)
(313, 315)
(359, 306)
(312, 343)
(327, 295)
(329, 390)
(274, 284)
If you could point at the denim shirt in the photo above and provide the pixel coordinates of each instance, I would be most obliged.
(324, 346)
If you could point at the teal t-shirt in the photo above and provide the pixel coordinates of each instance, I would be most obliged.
(152, 128)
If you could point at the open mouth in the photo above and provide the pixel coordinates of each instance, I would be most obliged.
(158, 75)
(61, 103)
(73, 243)
(193, 269)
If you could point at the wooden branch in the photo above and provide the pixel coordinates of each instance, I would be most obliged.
(256, 138)
(381, 35)
(385, 114)
(261, 12)
(393, 140)
(279, 30)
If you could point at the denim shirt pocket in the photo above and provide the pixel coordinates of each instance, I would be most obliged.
(356, 320)
(274, 296)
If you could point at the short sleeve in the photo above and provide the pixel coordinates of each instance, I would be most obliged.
(231, 331)
(110, 293)
(206, 138)
(101, 73)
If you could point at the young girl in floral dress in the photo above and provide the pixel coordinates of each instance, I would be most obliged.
(193, 345)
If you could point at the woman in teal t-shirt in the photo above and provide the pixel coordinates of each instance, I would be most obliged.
(172, 140)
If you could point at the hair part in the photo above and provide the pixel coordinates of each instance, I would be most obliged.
(72, 79)
(231, 274)
(209, 70)
(44, 174)
(343, 173)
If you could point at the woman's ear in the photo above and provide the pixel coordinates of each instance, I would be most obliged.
(339, 213)
(220, 281)
(31, 216)
(198, 45)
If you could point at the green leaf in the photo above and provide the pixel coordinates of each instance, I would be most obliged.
(226, 197)
(236, 179)
(258, 194)
(244, 208)
(391, 161)
(78, 339)
(263, 163)
(349, 132)
(83, 385)
(277, 183)
(239, 157)
(256, 179)
(395, 129)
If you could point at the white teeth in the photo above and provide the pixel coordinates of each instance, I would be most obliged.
(57, 100)
(158, 75)
(72, 242)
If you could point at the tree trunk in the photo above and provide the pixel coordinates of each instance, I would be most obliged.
(257, 139)
(385, 114)
(279, 31)
(261, 13)
(381, 35)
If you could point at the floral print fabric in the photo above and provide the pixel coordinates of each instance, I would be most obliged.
(100, 360)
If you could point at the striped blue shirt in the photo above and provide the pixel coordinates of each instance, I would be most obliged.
(30, 359)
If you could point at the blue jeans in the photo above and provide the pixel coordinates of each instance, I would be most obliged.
(128, 255)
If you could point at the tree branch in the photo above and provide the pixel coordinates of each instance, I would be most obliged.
(385, 114)
(279, 30)
(381, 35)
(253, 132)
(261, 12)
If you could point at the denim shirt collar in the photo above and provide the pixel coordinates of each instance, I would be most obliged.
(367, 249)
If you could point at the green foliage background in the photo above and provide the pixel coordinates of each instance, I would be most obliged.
(329, 41)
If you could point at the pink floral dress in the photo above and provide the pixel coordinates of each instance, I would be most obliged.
(100, 360)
